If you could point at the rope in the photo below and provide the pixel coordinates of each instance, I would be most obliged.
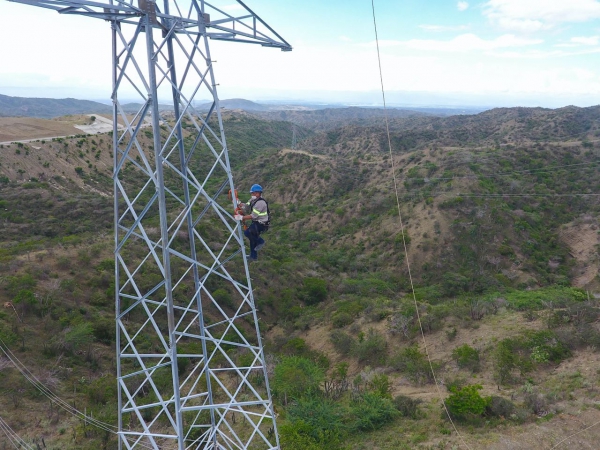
(402, 230)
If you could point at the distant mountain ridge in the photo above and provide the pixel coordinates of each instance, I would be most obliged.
(48, 107)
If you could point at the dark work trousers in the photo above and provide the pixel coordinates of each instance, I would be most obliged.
(253, 234)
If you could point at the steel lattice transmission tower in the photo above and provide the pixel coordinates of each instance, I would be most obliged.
(190, 366)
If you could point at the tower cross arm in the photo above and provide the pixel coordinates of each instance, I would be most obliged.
(107, 9)
(189, 16)
(246, 27)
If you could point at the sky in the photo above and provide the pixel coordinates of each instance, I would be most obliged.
(433, 53)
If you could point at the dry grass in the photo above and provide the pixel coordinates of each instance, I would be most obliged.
(21, 128)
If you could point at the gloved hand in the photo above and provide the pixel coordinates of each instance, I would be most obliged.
(238, 217)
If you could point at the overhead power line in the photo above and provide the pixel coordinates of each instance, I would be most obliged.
(404, 235)
(13, 437)
(55, 398)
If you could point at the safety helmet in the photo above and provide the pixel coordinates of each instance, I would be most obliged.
(256, 188)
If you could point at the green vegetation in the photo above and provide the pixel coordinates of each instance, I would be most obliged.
(493, 274)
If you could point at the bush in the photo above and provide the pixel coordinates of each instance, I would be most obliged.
(324, 419)
(371, 412)
(453, 284)
(414, 365)
(341, 319)
(342, 342)
(104, 330)
(372, 349)
(407, 406)
(466, 357)
(314, 290)
(296, 377)
(223, 297)
(506, 359)
(536, 402)
(79, 336)
(298, 436)
(466, 402)
(102, 390)
(380, 385)
(500, 407)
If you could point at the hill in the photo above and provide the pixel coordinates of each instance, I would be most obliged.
(501, 223)
(49, 107)
(331, 118)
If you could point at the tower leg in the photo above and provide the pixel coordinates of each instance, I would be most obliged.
(189, 346)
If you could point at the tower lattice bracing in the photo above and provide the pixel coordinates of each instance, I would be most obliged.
(191, 371)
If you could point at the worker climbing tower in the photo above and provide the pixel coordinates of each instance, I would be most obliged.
(191, 371)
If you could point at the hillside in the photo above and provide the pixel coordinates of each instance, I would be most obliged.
(501, 221)
(331, 118)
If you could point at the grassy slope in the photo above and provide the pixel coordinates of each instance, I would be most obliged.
(334, 220)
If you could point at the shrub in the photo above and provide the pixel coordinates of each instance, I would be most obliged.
(296, 377)
(341, 319)
(506, 359)
(407, 406)
(414, 365)
(102, 390)
(78, 336)
(343, 342)
(466, 357)
(500, 407)
(298, 435)
(324, 419)
(454, 283)
(466, 402)
(536, 402)
(380, 385)
(371, 412)
(223, 297)
(545, 347)
(104, 330)
(372, 349)
(314, 290)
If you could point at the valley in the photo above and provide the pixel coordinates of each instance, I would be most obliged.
(499, 314)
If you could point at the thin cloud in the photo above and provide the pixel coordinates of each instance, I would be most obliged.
(462, 6)
(464, 43)
(233, 7)
(536, 15)
(541, 54)
(440, 28)
(591, 40)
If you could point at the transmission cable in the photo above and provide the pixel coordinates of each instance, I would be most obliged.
(402, 230)
(55, 398)
(574, 434)
(12, 436)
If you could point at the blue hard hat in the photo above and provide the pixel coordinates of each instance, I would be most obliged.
(256, 188)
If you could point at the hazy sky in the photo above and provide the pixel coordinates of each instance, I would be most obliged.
(434, 52)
